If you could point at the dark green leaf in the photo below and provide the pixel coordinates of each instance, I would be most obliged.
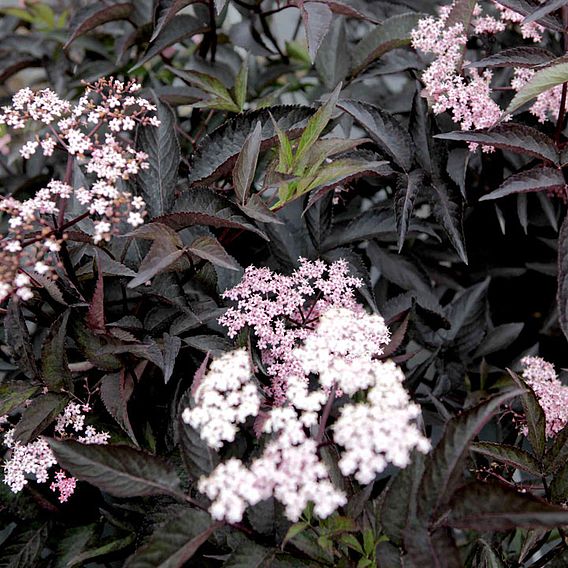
(198, 457)
(516, 57)
(24, 548)
(209, 248)
(562, 290)
(157, 183)
(18, 339)
(391, 34)
(536, 179)
(95, 15)
(447, 206)
(178, 29)
(113, 545)
(217, 152)
(245, 167)
(14, 393)
(54, 365)
(384, 129)
(201, 206)
(444, 466)
(250, 555)
(499, 338)
(495, 507)
(407, 190)
(543, 80)
(175, 542)
(547, 8)
(513, 137)
(536, 419)
(119, 470)
(317, 19)
(166, 11)
(509, 455)
(38, 416)
(116, 390)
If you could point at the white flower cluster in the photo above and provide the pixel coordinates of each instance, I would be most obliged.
(342, 352)
(381, 430)
(36, 458)
(95, 133)
(225, 397)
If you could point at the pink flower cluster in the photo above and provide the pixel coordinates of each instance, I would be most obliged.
(324, 347)
(466, 93)
(95, 132)
(468, 98)
(551, 393)
(36, 458)
(282, 310)
(547, 104)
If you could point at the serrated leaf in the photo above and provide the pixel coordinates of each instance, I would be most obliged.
(397, 269)
(116, 390)
(559, 485)
(166, 11)
(210, 249)
(94, 15)
(542, 81)
(73, 542)
(119, 470)
(317, 18)
(548, 7)
(114, 545)
(14, 393)
(333, 61)
(157, 182)
(176, 30)
(370, 224)
(499, 338)
(241, 85)
(175, 542)
(316, 125)
(18, 339)
(24, 548)
(54, 365)
(509, 455)
(90, 345)
(201, 206)
(220, 99)
(537, 179)
(384, 129)
(534, 414)
(562, 289)
(319, 219)
(516, 138)
(495, 507)
(198, 457)
(527, 7)
(245, 167)
(217, 152)
(96, 313)
(38, 416)
(154, 267)
(443, 469)
(447, 206)
(250, 555)
(420, 130)
(394, 32)
(524, 57)
(400, 499)
(406, 192)
(171, 347)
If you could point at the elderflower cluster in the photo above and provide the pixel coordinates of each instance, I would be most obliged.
(468, 98)
(36, 458)
(333, 358)
(96, 133)
(466, 93)
(224, 398)
(282, 310)
(552, 395)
